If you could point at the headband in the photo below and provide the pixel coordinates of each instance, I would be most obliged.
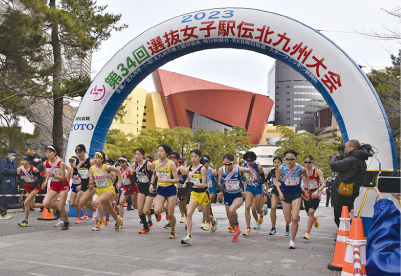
(173, 155)
(123, 159)
(207, 159)
(50, 147)
(100, 154)
(73, 158)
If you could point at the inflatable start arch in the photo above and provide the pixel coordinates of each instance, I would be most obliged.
(346, 89)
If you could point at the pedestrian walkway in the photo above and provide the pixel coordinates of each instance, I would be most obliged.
(41, 249)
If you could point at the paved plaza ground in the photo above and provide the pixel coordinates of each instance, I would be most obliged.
(41, 249)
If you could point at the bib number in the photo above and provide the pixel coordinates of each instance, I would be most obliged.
(232, 185)
(248, 178)
(210, 183)
(102, 182)
(28, 179)
(142, 178)
(126, 181)
(163, 175)
(292, 181)
(84, 174)
(76, 182)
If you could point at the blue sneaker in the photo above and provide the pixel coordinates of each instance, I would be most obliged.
(257, 226)
(266, 209)
(273, 231)
(287, 230)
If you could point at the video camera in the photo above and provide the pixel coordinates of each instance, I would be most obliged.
(365, 147)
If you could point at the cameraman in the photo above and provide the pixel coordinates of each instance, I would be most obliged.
(350, 166)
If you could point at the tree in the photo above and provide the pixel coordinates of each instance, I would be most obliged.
(387, 85)
(307, 143)
(60, 30)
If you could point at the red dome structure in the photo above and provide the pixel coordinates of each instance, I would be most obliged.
(183, 96)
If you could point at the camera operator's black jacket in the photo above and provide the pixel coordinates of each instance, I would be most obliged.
(350, 169)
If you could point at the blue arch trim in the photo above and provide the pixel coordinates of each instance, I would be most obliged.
(116, 100)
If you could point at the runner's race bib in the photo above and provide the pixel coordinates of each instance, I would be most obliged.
(84, 174)
(102, 182)
(143, 178)
(28, 179)
(232, 185)
(76, 181)
(163, 175)
(292, 181)
(126, 181)
(210, 183)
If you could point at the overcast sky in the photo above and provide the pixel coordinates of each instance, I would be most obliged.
(339, 17)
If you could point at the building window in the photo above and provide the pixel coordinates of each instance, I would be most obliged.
(288, 86)
(137, 108)
(144, 114)
(277, 106)
(288, 112)
(144, 120)
(297, 119)
(137, 122)
(277, 100)
(288, 99)
(288, 105)
(277, 87)
(288, 93)
(143, 126)
(145, 106)
(137, 101)
(277, 93)
(137, 129)
(287, 118)
(137, 115)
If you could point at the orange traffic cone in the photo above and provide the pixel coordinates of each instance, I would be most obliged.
(125, 204)
(341, 243)
(47, 215)
(354, 260)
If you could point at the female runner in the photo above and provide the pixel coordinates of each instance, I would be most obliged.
(197, 179)
(166, 175)
(75, 187)
(311, 205)
(114, 201)
(290, 190)
(182, 192)
(32, 179)
(85, 196)
(143, 169)
(229, 176)
(254, 191)
(277, 162)
(127, 177)
(59, 186)
(104, 188)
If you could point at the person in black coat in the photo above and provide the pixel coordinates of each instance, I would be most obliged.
(350, 169)
(8, 170)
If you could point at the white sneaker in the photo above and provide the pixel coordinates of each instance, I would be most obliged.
(59, 224)
(96, 228)
(95, 215)
(67, 206)
(292, 245)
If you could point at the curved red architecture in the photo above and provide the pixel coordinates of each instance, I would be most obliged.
(182, 95)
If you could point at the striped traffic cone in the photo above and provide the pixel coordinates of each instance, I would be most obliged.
(46, 215)
(341, 242)
(353, 261)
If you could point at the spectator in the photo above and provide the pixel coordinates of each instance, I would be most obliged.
(350, 170)
(383, 248)
(8, 170)
(38, 163)
(329, 184)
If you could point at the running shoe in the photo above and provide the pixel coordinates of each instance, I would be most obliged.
(107, 222)
(78, 221)
(214, 227)
(172, 235)
(273, 231)
(85, 216)
(247, 232)
(167, 226)
(230, 229)
(287, 231)
(67, 206)
(292, 245)
(23, 223)
(257, 226)
(144, 231)
(266, 210)
(237, 232)
(99, 225)
(150, 223)
(95, 214)
(117, 226)
(260, 221)
(182, 219)
(159, 217)
(6, 217)
(316, 223)
(59, 224)
(95, 229)
(206, 226)
(202, 224)
(186, 240)
(306, 236)
(121, 224)
(66, 226)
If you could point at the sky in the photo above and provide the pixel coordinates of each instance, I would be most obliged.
(340, 19)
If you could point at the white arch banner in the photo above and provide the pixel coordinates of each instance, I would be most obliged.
(346, 89)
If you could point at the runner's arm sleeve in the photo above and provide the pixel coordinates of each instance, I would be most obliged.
(262, 178)
(133, 183)
(37, 182)
(184, 178)
(383, 246)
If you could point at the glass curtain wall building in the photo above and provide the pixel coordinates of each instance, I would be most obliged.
(295, 99)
